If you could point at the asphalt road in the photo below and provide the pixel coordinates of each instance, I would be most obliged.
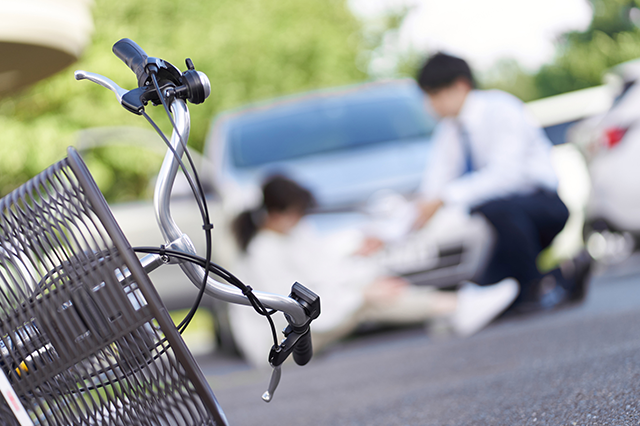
(573, 366)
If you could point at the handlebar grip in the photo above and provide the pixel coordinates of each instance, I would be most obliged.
(132, 55)
(303, 350)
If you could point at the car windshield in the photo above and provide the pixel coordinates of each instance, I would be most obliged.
(324, 124)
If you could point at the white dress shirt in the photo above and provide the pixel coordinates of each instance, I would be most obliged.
(510, 153)
(274, 261)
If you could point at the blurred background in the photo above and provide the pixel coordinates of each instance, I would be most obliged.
(259, 49)
(575, 62)
(571, 60)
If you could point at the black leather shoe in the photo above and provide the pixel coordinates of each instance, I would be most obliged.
(542, 295)
(578, 274)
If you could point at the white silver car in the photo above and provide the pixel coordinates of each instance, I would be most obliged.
(610, 143)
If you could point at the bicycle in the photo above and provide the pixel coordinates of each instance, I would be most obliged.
(84, 337)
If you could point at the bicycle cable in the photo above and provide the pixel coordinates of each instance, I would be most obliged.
(185, 322)
(206, 263)
(196, 189)
(224, 274)
(160, 346)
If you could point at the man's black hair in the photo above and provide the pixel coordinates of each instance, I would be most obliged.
(441, 70)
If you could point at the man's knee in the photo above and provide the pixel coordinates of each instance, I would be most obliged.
(500, 213)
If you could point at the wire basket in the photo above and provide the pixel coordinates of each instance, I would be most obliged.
(84, 337)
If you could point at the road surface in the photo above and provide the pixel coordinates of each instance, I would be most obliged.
(573, 366)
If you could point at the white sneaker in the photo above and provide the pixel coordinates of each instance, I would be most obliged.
(478, 306)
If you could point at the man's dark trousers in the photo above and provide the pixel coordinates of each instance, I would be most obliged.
(524, 226)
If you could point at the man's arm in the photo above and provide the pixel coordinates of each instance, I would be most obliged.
(426, 210)
(508, 139)
(443, 163)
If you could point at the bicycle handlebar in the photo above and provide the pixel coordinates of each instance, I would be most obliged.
(135, 58)
(302, 306)
(303, 350)
(174, 236)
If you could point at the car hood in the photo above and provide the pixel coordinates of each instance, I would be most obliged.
(342, 180)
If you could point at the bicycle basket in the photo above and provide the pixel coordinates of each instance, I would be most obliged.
(84, 337)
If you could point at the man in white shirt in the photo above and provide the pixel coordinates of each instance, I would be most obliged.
(491, 158)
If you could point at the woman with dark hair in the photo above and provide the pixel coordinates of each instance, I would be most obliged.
(284, 202)
(279, 248)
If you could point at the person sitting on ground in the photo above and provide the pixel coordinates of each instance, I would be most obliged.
(490, 158)
(279, 248)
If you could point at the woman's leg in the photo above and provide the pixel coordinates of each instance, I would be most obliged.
(412, 305)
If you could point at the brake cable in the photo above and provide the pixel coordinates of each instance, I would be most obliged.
(204, 211)
(222, 273)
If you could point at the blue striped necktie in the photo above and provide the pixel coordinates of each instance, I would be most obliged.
(465, 143)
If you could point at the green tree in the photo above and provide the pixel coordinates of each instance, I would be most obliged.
(250, 49)
(381, 54)
(582, 57)
(508, 75)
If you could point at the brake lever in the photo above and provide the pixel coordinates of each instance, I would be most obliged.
(277, 356)
(294, 334)
(102, 81)
(273, 383)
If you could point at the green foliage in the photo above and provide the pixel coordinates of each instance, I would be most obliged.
(581, 63)
(381, 54)
(582, 57)
(250, 49)
(508, 75)
(124, 172)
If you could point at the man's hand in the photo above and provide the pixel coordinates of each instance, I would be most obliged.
(426, 210)
(369, 246)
